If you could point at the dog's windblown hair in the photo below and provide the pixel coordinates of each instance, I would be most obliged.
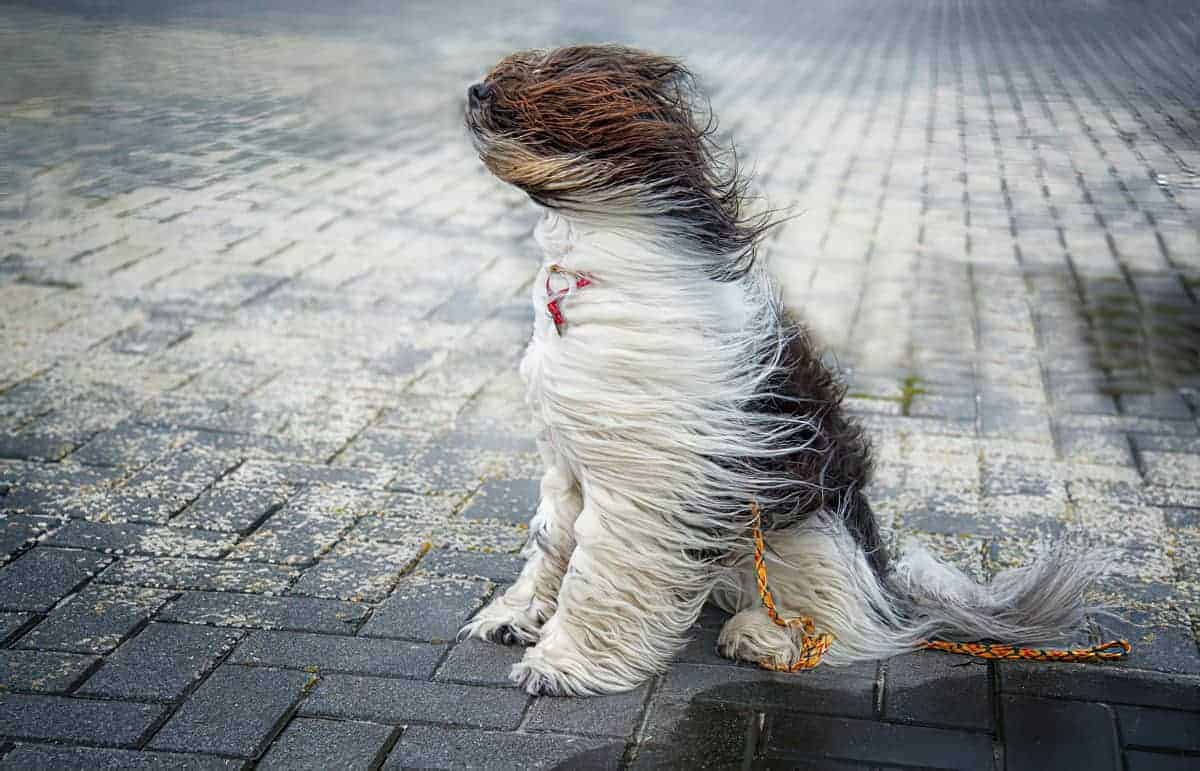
(671, 391)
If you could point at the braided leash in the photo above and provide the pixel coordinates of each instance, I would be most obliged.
(813, 646)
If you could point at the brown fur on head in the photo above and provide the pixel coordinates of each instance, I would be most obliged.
(606, 129)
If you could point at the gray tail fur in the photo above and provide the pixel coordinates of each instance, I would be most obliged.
(1030, 605)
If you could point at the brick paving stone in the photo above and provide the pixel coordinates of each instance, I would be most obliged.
(1050, 733)
(10, 623)
(789, 736)
(200, 575)
(696, 735)
(359, 570)
(95, 620)
(236, 711)
(42, 671)
(1159, 729)
(938, 689)
(841, 691)
(615, 715)
(18, 531)
(1153, 761)
(514, 500)
(59, 718)
(225, 312)
(307, 743)
(133, 538)
(308, 525)
(427, 608)
(302, 614)
(392, 701)
(478, 662)
(159, 663)
(436, 747)
(41, 577)
(499, 568)
(1114, 685)
(26, 756)
(231, 508)
(328, 653)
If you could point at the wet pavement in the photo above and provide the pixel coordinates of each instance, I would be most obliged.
(261, 432)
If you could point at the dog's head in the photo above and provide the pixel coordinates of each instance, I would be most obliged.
(610, 130)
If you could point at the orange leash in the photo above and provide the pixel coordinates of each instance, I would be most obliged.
(813, 646)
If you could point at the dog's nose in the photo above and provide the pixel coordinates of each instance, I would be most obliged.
(479, 93)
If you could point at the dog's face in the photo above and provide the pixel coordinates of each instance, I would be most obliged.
(574, 124)
(609, 131)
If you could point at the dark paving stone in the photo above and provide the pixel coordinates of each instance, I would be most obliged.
(27, 756)
(129, 444)
(48, 488)
(10, 623)
(1153, 761)
(231, 508)
(829, 690)
(1101, 683)
(199, 575)
(479, 662)
(1159, 646)
(42, 671)
(318, 745)
(301, 531)
(427, 608)
(939, 689)
(330, 653)
(133, 538)
(512, 500)
(236, 711)
(159, 663)
(358, 570)
(60, 718)
(385, 700)
(681, 734)
(1159, 729)
(1049, 733)
(500, 568)
(42, 576)
(33, 444)
(615, 715)
(868, 742)
(437, 747)
(95, 620)
(18, 530)
(302, 614)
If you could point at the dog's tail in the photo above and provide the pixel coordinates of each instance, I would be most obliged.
(822, 571)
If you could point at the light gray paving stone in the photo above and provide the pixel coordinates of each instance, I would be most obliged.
(133, 538)
(96, 619)
(200, 575)
(359, 570)
(303, 614)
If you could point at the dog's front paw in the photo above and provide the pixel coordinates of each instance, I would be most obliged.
(558, 666)
(507, 623)
(537, 673)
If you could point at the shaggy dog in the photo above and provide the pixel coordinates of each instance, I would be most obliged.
(673, 395)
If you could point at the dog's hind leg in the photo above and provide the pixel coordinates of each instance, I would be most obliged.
(518, 615)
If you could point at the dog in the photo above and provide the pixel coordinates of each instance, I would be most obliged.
(677, 402)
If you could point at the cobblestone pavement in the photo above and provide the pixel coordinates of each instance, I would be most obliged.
(262, 436)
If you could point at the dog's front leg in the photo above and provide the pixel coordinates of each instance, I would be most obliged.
(625, 604)
(517, 615)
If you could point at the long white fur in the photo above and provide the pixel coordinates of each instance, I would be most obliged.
(631, 404)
